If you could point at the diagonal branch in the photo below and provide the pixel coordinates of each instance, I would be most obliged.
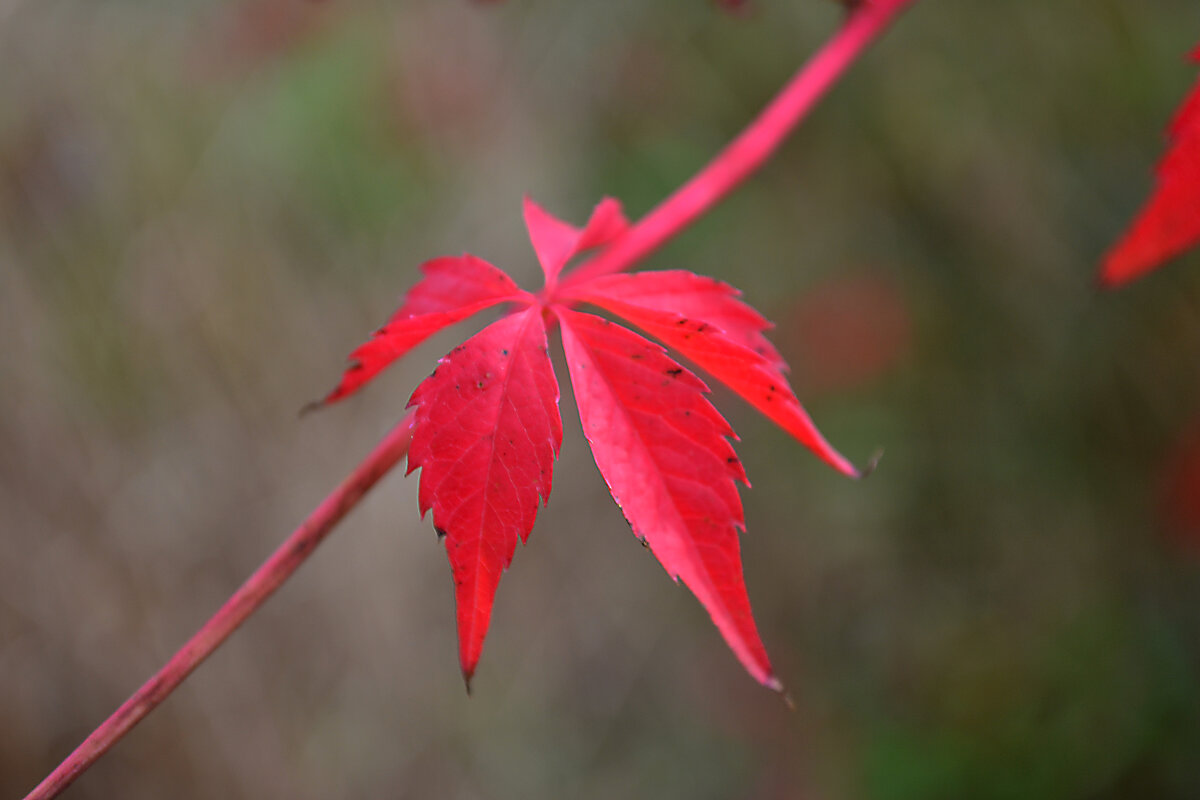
(753, 146)
(294, 551)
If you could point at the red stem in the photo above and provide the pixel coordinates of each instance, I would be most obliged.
(731, 166)
(753, 146)
(294, 551)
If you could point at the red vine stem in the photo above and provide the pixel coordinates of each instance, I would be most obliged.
(294, 551)
(735, 163)
(753, 146)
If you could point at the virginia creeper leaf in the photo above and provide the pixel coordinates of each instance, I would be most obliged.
(486, 429)
(557, 242)
(663, 451)
(486, 433)
(1169, 222)
(452, 290)
(748, 373)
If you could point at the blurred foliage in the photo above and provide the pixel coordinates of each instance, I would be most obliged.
(204, 206)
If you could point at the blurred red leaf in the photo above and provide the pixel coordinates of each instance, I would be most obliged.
(487, 426)
(1169, 222)
(847, 332)
(734, 6)
(250, 33)
(1179, 499)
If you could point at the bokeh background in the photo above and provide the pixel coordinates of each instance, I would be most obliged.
(205, 205)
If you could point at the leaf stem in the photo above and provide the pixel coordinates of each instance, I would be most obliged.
(753, 146)
(286, 559)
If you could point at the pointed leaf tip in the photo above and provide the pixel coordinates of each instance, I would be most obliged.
(556, 242)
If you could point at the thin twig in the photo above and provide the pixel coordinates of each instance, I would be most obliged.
(753, 146)
(294, 551)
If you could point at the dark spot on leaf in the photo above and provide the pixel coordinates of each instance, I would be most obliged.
(638, 356)
(674, 372)
(731, 460)
(479, 385)
(441, 532)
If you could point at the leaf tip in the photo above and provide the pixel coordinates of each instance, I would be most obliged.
(1115, 274)
(311, 406)
(871, 465)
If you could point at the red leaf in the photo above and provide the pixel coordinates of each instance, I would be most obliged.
(661, 447)
(487, 430)
(486, 433)
(846, 332)
(452, 290)
(692, 295)
(557, 242)
(749, 374)
(1169, 223)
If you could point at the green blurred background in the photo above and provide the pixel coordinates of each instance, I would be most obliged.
(204, 206)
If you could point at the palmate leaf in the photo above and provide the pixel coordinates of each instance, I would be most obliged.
(487, 426)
